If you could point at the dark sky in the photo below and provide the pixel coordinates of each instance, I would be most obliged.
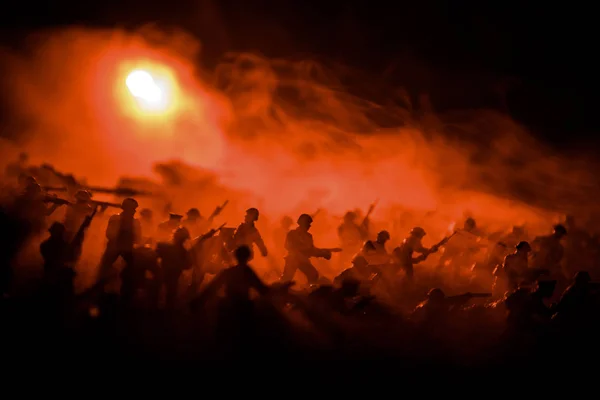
(543, 54)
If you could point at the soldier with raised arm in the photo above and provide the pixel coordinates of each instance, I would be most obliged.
(301, 248)
(403, 254)
(123, 232)
(248, 235)
(77, 211)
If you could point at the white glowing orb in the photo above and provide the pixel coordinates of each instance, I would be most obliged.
(142, 86)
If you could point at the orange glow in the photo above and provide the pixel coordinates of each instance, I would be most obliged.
(275, 134)
(148, 89)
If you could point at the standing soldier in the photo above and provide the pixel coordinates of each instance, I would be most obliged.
(76, 212)
(301, 248)
(174, 259)
(123, 232)
(166, 228)
(247, 235)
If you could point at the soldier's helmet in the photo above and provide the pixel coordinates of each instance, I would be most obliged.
(129, 204)
(359, 261)
(350, 216)
(242, 254)
(83, 195)
(418, 231)
(383, 236)
(582, 277)
(524, 246)
(368, 246)
(560, 230)
(57, 229)
(436, 294)
(304, 219)
(470, 223)
(253, 212)
(181, 234)
(193, 213)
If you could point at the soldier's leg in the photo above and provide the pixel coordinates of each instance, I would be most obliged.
(289, 270)
(312, 275)
(108, 259)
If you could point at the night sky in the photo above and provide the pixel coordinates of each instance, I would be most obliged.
(540, 56)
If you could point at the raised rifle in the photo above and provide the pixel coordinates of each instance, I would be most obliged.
(218, 210)
(442, 242)
(119, 191)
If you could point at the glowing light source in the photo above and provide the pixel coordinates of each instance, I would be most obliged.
(142, 86)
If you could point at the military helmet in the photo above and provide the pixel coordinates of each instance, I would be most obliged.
(181, 234)
(129, 204)
(286, 221)
(383, 235)
(560, 230)
(175, 217)
(418, 231)
(193, 213)
(359, 261)
(436, 294)
(524, 246)
(304, 219)
(253, 212)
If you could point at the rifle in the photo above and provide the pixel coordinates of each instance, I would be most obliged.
(333, 249)
(314, 215)
(370, 211)
(442, 242)
(104, 204)
(218, 210)
(119, 191)
(56, 200)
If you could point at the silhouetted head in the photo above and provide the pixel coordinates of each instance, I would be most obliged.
(359, 262)
(180, 235)
(469, 224)
(523, 247)
(129, 205)
(436, 294)
(305, 221)
(559, 231)
(251, 215)
(582, 277)
(383, 236)
(193, 213)
(57, 230)
(418, 232)
(368, 246)
(242, 255)
(286, 222)
(350, 216)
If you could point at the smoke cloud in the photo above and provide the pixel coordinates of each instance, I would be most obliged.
(287, 136)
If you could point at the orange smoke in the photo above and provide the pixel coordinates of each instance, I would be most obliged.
(285, 133)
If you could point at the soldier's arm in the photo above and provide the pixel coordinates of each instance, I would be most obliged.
(50, 210)
(258, 240)
(112, 229)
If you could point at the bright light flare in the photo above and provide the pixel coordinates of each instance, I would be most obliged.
(148, 90)
(141, 85)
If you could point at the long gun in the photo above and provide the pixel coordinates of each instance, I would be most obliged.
(370, 211)
(317, 212)
(77, 242)
(442, 242)
(120, 191)
(218, 210)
